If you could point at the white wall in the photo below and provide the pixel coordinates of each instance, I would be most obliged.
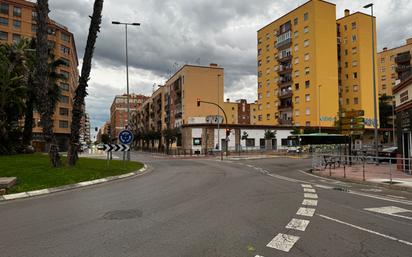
(258, 134)
(222, 135)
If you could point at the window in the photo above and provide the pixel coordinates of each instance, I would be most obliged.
(16, 24)
(347, 101)
(353, 25)
(296, 33)
(260, 107)
(307, 97)
(65, 74)
(383, 60)
(353, 38)
(34, 28)
(307, 84)
(354, 63)
(306, 29)
(297, 113)
(259, 84)
(16, 11)
(250, 142)
(307, 57)
(307, 71)
(64, 111)
(267, 70)
(355, 88)
(65, 37)
(63, 124)
(4, 8)
(259, 96)
(64, 99)
(34, 15)
(64, 49)
(296, 47)
(347, 76)
(267, 83)
(259, 63)
(347, 89)
(296, 73)
(64, 86)
(346, 64)
(297, 86)
(355, 75)
(267, 105)
(297, 99)
(4, 21)
(306, 43)
(259, 52)
(16, 38)
(267, 48)
(259, 74)
(267, 93)
(393, 67)
(354, 50)
(295, 21)
(356, 100)
(267, 36)
(296, 60)
(345, 27)
(384, 87)
(305, 16)
(307, 111)
(268, 116)
(346, 51)
(267, 59)
(404, 96)
(4, 36)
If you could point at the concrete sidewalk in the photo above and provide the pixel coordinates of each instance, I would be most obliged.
(381, 174)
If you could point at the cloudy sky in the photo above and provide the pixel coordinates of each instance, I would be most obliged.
(173, 33)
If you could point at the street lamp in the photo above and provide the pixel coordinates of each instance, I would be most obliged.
(375, 112)
(127, 66)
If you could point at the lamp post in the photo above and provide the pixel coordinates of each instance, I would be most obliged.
(375, 112)
(127, 66)
(218, 114)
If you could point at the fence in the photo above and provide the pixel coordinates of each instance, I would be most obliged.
(363, 167)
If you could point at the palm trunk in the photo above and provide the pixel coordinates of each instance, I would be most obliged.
(46, 108)
(81, 91)
(28, 121)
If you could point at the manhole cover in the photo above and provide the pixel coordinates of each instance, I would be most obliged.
(123, 214)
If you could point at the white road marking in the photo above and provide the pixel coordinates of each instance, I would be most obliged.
(324, 187)
(391, 211)
(407, 202)
(309, 190)
(283, 178)
(310, 202)
(367, 230)
(283, 242)
(298, 224)
(313, 196)
(395, 196)
(306, 186)
(259, 256)
(308, 212)
(372, 190)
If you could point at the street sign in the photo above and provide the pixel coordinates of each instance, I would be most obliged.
(125, 137)
(116, 148)
(353, 114)
(353, 120)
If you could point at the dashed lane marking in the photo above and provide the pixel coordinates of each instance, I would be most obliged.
(308, 212)
(312, 196)
(309, 190)
(366, 230)
(298, 224)
(283, 242)
(310, 202)
(396, 196)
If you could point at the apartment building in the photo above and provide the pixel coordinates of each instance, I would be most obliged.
(240, 112)
(390, 63)
(17, 21)
(298, 67)
(85, 130)
(355, 63)
(118, 112)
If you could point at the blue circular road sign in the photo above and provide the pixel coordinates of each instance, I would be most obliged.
(125, 137)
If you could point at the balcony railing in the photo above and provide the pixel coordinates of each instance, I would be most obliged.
(287, 122)
(284, 70)
(402, 58)
(285, 94)
(284, 43)
(283, 82)
(284, 107)
(403, 68)
(284, 58)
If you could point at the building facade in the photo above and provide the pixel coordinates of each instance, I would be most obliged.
(18, 21)
(85, 130)
(390, 63)
(118, 112)
(312, 67)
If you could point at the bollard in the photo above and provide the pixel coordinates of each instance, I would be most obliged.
(344, 169)
(363, 169)
(390, 170)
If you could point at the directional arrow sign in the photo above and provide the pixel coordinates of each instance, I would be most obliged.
(116, 148)
(392, 211)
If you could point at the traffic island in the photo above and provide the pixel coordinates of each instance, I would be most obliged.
(35, 175)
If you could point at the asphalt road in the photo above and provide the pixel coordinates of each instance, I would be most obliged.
(205, 207)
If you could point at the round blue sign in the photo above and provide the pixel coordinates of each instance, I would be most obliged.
(125, 137)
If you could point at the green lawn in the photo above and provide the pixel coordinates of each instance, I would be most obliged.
(33, 172)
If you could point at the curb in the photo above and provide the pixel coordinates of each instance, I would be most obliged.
(369, 183)
(28, 194)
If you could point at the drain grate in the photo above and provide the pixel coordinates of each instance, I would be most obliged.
(123, 214)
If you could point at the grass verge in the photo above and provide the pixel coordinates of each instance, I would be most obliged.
(33, 172)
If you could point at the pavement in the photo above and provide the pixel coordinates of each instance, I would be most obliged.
(206, 207)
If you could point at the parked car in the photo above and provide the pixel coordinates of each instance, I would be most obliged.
(387, 153)
(100, 146)
(294, 149)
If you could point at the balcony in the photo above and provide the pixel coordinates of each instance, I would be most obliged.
(283, 44)
(403, 68)
(285, 94)
(285, 82)
(284, 69)
(287, 122)
(284, 58)
(402, 58)
(285, 107)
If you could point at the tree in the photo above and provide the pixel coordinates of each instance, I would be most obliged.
(269, 134)
(81, 90)
(170, 136)
(105, 139)
(42, 82)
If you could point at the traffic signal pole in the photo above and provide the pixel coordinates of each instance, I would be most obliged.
(227, 128)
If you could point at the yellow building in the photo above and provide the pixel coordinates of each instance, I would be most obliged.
(355, 63)
(17, 21)
(387, 67)
(298, 67)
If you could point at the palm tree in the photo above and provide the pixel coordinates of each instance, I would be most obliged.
(42, 83)
(81, 90)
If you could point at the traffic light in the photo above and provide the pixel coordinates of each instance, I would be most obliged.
(109, 129)
(228, 131)
(198, 102)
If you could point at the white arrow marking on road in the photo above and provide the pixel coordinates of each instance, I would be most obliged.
(283, 242)
(391, 211)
